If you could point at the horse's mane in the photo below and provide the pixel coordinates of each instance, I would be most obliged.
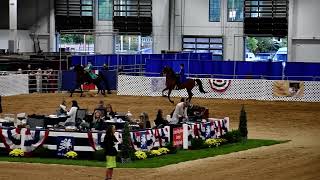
(169, 69)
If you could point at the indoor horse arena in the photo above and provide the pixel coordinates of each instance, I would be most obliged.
(159, 89)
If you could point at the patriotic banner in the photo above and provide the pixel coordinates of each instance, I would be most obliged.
(96, 140)
(215, 128)
(25, 139)
(151, 138)
(64, 145)
(288, 88)
(177, 137)
(219, 85)
(141, 140)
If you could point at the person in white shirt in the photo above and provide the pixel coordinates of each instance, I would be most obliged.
(71, 121)
(180, 112)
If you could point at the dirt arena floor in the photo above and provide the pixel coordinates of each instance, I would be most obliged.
(298, 159)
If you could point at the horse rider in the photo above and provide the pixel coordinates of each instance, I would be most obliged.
(181, 78)
(89, 69)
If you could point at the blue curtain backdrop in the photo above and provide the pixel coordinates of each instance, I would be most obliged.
(201, 63)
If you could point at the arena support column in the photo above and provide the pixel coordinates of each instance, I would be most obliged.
(52, 31)
(13, 21)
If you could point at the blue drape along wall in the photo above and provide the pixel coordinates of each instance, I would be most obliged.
(242, 69)
(202, 63)
(125, 59)
(69, 79)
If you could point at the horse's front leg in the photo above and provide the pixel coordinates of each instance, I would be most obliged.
(169, 92)
(81, 91)
(164, 91)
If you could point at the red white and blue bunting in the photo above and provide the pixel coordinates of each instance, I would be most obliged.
(141, 140)
(25, 139)
(213, 129)
(219, 85)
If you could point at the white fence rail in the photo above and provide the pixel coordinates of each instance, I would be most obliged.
(14, 84)
(257, 89)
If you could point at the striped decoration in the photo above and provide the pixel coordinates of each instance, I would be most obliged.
(219, 85)
(25, 139)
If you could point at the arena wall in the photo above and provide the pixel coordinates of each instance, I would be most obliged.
(238, 89)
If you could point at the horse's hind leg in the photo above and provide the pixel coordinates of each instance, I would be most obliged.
(190, 94)
(164, 91)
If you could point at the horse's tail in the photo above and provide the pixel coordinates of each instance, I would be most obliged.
(200, 86)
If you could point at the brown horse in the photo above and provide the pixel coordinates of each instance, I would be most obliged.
(83, 77)
(171, 82)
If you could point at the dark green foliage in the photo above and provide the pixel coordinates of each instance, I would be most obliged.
(99, 155)
(232, 136)
(43, 153)
(126, 148)
(197, 143)
(172, 149)
(243, 124)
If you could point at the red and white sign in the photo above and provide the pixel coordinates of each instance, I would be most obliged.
(177, 137)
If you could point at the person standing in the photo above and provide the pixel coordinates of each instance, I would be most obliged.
(110, 151)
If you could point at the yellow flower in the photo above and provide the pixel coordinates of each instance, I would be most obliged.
(214, 142)
(155, 152)
(140, 155)
(71, 155)
(16, 153)
(163, 150)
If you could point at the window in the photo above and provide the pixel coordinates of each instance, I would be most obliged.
(86, 8)
(133, 44)
(133, 8)
(214, 10)
(235, 10)
(204, 44)
(105, 8)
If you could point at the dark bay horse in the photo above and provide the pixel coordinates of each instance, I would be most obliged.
(83, 77)
(171, 82)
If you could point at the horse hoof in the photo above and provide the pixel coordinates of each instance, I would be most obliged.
(172, 102)
(164, 96)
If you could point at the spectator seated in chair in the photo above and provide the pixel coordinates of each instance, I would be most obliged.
(110, 112)
(102, 108)
(144, 121)
(71, 121)
(62, 110)
(98, 122)
(160, 121)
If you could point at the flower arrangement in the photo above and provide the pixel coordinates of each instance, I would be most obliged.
(214, 142)
(163, 150)
(71, 155)
(140, 155)
(16, 153)
(155, 152)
